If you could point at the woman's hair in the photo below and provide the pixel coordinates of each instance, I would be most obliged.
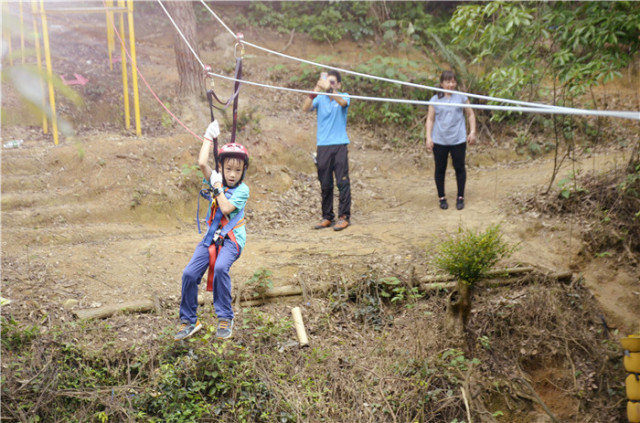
(446, 75)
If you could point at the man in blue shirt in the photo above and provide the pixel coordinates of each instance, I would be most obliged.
(332, 152)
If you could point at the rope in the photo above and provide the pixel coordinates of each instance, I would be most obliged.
(181, 34)
(533, 107)
(410, 84)
(609, 113)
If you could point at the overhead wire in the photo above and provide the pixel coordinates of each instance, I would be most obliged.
(410, 84)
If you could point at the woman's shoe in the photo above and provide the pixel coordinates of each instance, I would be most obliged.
(443, 203)
(460, 203)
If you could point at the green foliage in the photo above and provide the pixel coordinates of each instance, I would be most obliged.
(371, 294)
(323, 21)
(470, 254)
(569, 186)
(16, 338)
(187, 169)
(392, 288)
(631, 183)
(278, 72)
(403, 122)
(248, 120)
(203, 380)
(577, 45)
(166, 120)
(80, 151)
(260, 282)
(264, 327)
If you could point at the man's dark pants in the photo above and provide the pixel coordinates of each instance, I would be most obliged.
(334, 160)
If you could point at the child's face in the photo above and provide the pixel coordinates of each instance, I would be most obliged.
(233, 169)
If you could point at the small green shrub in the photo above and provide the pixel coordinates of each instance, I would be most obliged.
(16, 338)
(260, 282)
(469, 254)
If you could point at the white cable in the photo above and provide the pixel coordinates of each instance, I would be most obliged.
(181, 34)
(394, 81)
(534, 107)
(219, 20)
(609, 113)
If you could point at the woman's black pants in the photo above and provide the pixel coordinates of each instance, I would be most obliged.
(441, 155)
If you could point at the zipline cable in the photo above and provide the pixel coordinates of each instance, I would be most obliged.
(608, 113)
(632, 115)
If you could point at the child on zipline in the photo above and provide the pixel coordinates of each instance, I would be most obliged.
(224, 240)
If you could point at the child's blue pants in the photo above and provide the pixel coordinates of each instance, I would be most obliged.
(192, 276)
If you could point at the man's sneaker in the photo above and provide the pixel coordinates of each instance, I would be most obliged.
(460, 203)
(341, 224)
(325, 223)
(443, 204)
(187, 330)
(225, 329)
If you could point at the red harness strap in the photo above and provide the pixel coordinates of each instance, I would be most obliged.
(215, 249)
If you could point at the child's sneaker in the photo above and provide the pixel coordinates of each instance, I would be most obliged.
(225, 328)
(187, 330)
(443, 203)
(460, 203)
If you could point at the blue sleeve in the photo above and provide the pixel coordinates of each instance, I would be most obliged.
(240, 196)
(347, 99)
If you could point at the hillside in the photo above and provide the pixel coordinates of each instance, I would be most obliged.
(106, 217)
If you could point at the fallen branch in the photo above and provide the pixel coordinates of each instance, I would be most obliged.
(495, 278)
(490, 274)
(138, 306)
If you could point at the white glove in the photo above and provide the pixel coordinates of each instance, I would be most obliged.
(213, 130)
(215, 177)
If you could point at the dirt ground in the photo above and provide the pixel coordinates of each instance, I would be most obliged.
(106, 217)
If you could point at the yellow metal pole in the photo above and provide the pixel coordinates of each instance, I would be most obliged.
(36, 39)
(22, 33)
(125, 79)
(110, 44)
(47, 54)
(132, 48)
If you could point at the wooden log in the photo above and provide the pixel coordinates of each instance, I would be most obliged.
(276, 291)
(137, 306)
(493, 273)
(489, 283)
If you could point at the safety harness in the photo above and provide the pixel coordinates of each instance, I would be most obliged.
(220, 228)
(206, 192)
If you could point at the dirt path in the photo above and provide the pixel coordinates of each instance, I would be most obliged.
(107, 218)
(89, 245)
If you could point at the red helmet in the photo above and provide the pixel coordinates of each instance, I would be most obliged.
(234, 150)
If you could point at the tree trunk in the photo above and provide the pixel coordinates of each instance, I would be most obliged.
(458, 311)
(189, 69)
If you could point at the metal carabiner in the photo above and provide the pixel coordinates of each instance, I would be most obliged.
(240, 38)
(208, 69)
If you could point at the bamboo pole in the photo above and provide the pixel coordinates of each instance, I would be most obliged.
(301, 333)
